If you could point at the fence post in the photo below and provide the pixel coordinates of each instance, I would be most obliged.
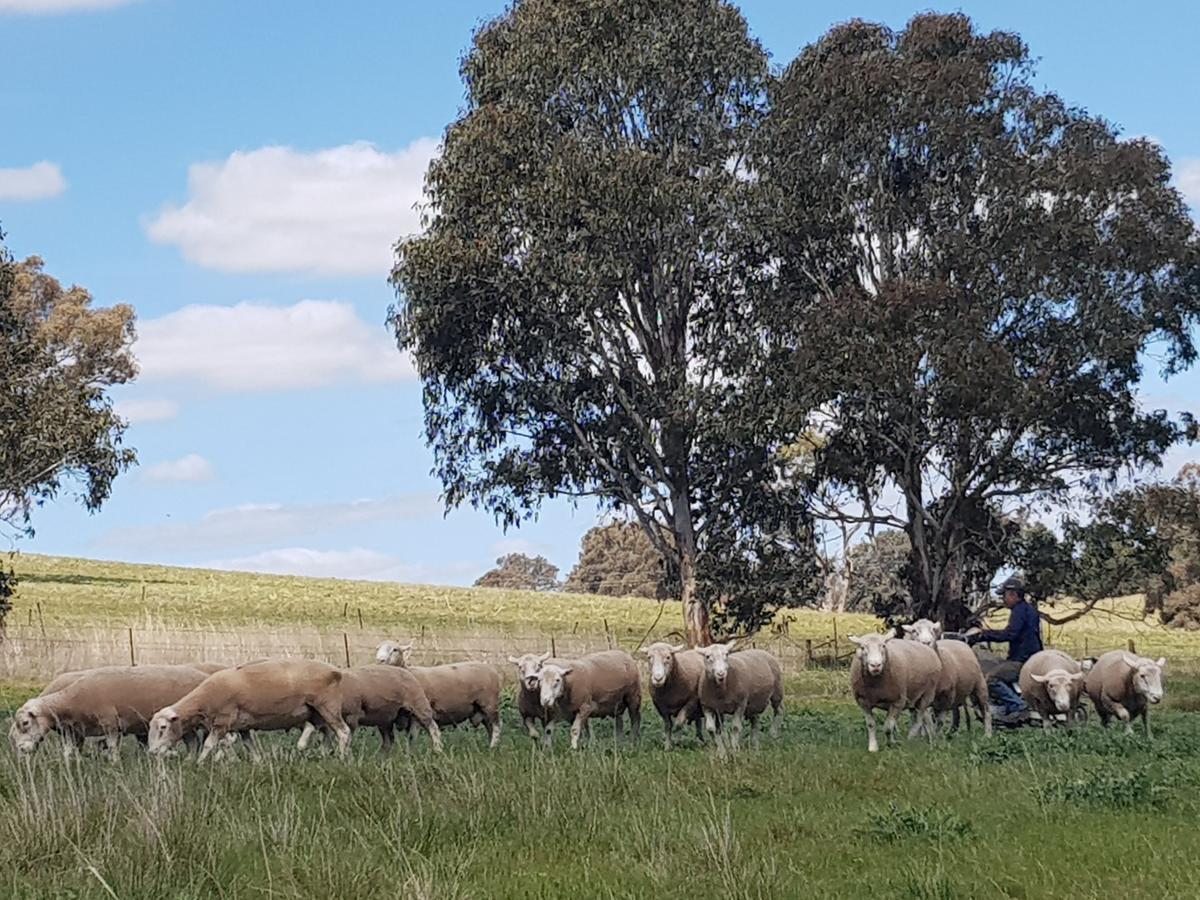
(808, 658)
(360, 624)
(608, 634)
(41, 618)
(345, 609)
(553, 649)
(835, 640)
(1086, 651)
(1131, 650)
(132, 659)
(346, 645)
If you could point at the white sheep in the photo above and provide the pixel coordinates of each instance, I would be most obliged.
(529, 687)
(382, 697)
(894, 675)
(962, 678)
(107, 703)
(675, 674)
(741, 684)
(458, 692)
(598, 685)
(1051, 683)
(1126, 686)
(269, 695)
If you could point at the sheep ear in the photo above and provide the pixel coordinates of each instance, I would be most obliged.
(908, 629)
(937, 629)
(1130, 660)
(406, 647)
(679, 648)
(1076, 676)
(729, 645)
(1040, 679)
(514, 660)
(544, 657)
(1161, 662)
(854, 639)
(566, 670)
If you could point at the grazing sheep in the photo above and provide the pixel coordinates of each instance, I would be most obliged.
(1051, 682)
(272, 695)
(458, 692)
(597, 685)
(962, 677)
(1124, 685)
(383, 697)
(529, 687)
(741, 684)
(105, 703)
(675, 674)
(894, 675)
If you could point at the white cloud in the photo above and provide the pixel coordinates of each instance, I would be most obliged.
(46, 7)
(357, 563)
(1187, 179)
(253, 347)
(332, 212)
(192, 467)
(37, 182)
(259, 523)
(504, 546)
(140, 411)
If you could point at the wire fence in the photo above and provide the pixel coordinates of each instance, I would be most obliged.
(36, 652)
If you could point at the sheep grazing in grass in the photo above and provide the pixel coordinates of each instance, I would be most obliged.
(675, 674)
(1126, 686)
(1051, 683)
(740, 684)
(894, 675)
(106, 703)
(458, 692)
(270, 695)
(599, 685)
(962, 678)
(382, 697)
(529, 691)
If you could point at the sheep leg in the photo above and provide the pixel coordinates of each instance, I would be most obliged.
(872, 740)
(387, 737)
(930, 729)
(211, 743)
(306, 736)
(776, 715)
(112, 743)
(531, 726)
(739, 717)
(435, 734)
(1123, 715)
(756, 732)
(889, 724)
(548, 734)
(711, 725)
(984, 705)
(1146, 721)
(582, 722)
(618, 729)
(493, 726)
(918, 723)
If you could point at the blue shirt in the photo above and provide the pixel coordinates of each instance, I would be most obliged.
(1023, 633)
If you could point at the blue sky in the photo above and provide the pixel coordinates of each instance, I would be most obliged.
(238, 171)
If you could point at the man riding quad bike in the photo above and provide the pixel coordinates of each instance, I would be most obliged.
(1023, 634)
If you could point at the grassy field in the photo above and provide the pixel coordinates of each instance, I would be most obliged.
(1085, 814)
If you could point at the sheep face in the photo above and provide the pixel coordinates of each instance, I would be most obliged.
(924, 632)
(164, 732)
(1147, 676)
(872, 651)
(716, 660)
(662, 661)
(552, 682)
(528, 667)
(1058, 687)
(391, 653)
(28, 728)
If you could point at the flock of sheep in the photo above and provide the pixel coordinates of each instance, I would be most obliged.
(212, 707)
(933, 676)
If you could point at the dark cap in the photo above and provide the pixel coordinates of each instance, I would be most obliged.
(1012, 584)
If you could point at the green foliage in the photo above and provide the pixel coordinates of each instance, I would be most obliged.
(975, 269)
(898, 824)
(877, 581)
(518, 572)
(581, 305)
(1120, 788)
(58, 357)
(619, 560)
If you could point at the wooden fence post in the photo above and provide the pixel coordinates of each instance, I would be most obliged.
(360, 622)
(41, 618)
(553, 649)
(808, 657)
(1131, 649)
(835, 640)
(132, 658)
(346, 645)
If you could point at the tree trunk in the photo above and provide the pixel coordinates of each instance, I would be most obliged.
(695, 616)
